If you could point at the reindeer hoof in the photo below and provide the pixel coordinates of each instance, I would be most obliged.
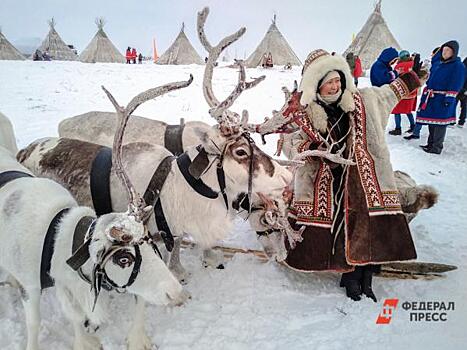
(220, 267)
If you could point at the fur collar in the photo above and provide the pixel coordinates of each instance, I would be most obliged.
(311, 76)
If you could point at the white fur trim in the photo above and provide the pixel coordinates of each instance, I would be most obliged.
(317, 70)
(347, 102)
(331, 75)
(317, 116)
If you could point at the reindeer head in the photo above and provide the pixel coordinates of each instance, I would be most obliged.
(245, 165)
(125, 256)
(268, 218)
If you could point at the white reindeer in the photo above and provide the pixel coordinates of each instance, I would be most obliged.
(187, 212)
(41, 226)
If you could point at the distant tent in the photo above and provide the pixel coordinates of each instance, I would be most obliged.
(275, 43)
(373, 38)
(55, 46)
(101, 49)
(180, 52)
(7, 50)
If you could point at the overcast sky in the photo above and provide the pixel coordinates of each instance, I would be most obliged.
(418, 25)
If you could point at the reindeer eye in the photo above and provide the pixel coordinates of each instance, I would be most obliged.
(241, 153)
(123, 258)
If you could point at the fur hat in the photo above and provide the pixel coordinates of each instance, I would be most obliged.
(331, 75)
(404, 55)
(317, 65)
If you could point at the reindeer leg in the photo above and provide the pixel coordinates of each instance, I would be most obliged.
(31, 304)
(137, 338)
(175, 266)
(83, 339)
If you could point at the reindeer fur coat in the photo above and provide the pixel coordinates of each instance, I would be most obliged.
(370, 227)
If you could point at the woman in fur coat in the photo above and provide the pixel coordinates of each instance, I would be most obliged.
(437, 106)
(345, 194)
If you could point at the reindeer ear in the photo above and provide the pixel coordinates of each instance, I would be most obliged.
(147, 211)
(202, 134)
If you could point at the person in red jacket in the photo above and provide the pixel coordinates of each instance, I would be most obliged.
(133, 55)
(409, 104)
(358, 71)
(128, 55)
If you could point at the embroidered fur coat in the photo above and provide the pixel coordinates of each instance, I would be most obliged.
(361, 222)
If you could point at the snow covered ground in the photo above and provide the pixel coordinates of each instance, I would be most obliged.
(249, 305)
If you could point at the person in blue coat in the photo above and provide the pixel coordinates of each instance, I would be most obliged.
(381, 72)
(437, 106)
(433, 63)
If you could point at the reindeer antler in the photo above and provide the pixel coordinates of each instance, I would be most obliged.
(136, 202)
(281, 119)
(220, 110)
(276, 220)
(327, 153)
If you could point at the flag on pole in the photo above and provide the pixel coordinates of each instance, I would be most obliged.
(155, 56)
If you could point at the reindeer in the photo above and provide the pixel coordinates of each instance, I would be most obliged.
(245, 166)
(97, 127)
(47, 239)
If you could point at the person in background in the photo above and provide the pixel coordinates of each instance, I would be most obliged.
(269, 61)
(128, 55)
(358, 71)
(437, 106)
(462, 97)
(350, 58)
(140, 58)
(381, 72)
(133, 55)
(429, 64)
(408, 104)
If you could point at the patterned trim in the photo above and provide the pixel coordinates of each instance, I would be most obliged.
(304, 122)
(313, 56)
(379, 202)
(302, 212)
(365, 163)
(436, 121)
(399, 88)
(323, 192)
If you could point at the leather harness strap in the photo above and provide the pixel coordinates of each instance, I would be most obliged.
(151, 197)
(173, 140)
(80, 246)
(100, 181)
(11, 175)
(48, 250)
